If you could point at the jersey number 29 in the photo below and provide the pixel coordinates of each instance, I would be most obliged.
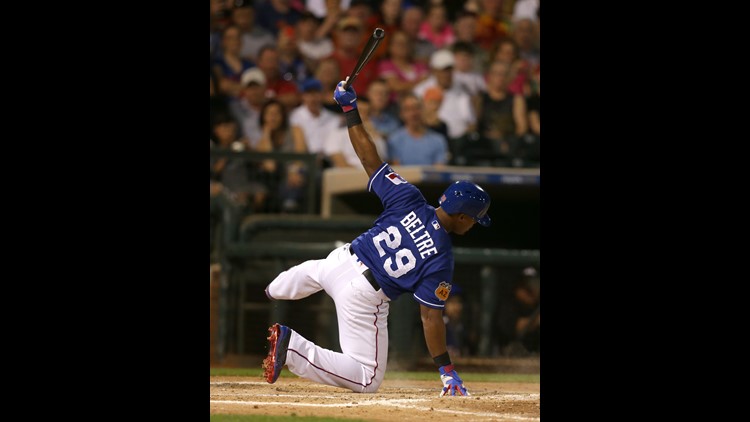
(392, 238)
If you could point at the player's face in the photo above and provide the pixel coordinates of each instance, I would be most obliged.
(465, 223)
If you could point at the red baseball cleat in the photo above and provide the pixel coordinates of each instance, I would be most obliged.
(278, 343)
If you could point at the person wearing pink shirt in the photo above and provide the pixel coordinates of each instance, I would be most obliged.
(436, 28)
(399, 68)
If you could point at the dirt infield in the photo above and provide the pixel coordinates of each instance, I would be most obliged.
(397, 399)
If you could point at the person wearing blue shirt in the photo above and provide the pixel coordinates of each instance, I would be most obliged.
(407, 250)
(415, 143)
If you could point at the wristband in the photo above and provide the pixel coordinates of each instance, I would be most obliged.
(442, 360)
(352, 118)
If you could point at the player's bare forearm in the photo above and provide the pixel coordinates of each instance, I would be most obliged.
(434, 330)
(364, 147)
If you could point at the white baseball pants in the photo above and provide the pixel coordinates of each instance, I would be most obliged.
(362, 315)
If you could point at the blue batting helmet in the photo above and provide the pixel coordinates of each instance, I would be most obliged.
(468, 198)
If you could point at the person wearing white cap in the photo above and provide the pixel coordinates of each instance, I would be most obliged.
(246, 109)
(457, 110)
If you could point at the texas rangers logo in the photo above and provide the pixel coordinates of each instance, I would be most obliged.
(395, 178)
(443, 290)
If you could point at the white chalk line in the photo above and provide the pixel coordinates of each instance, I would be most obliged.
(522, 397)
(395, 403)
(293, 396)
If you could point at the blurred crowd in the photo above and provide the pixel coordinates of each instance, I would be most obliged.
(453, 83)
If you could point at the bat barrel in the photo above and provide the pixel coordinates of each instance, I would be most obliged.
(372, 44)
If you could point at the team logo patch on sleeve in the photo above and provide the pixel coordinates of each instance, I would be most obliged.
(395, 178)
(443, 290)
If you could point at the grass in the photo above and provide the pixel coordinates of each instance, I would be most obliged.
(393, 375)
(264, 418)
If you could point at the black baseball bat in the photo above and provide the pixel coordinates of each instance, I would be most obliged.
(372, 44)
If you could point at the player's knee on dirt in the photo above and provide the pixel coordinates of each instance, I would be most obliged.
(372, 388)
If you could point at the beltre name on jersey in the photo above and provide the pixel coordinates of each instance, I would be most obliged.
(407, 250)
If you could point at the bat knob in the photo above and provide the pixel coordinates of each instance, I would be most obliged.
(378, 33)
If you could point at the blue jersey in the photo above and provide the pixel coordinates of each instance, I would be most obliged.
(407, 249)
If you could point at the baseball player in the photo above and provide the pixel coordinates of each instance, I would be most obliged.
(408, 250)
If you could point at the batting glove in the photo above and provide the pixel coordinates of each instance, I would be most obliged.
(347, 99)
(452, 382)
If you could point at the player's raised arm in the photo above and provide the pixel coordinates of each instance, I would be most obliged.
(361, 141)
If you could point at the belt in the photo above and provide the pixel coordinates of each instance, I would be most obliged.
(368, 274)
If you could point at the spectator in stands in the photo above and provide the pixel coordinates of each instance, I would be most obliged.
(328, 74)
(415, 144)
(237, 175)
(530, 145)
(321, 8)
(228, 65)
(273, 14)
(338, 148)
(502, 115)
(389, 14)
(247, 108)
(464, 72)
(493, 22)
(291, 63)
(520, 327)
(252, 36)
(528, 44)
(456, 110)
(506, 51)
(220, 19)
(315, 121)
(436, 28)
(276, 86)
(526, 9)
(411, 20)
(532, 105)
(432, 100)
(364, 11)
(313, 40)
(399, 69)
(465, 29)
(219, 101)
(349, 36)
(382, 111)
(286, 181)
